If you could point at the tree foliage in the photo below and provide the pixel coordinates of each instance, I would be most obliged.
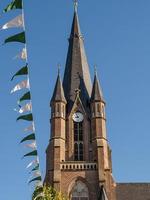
(47, 193)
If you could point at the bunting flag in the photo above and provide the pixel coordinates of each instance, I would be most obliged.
(26, 96)
(37, 173)
(39, 178)
(22, 71)
(18, 22)
(28, 117)
(32, 153)
(36, 161)
(22, 55)
(35, 168)
(19, 86)
(20, 37)
(15, 4)
(30, 128)
(29, 137)
(26, 108)
(14, 23)
(32, 145)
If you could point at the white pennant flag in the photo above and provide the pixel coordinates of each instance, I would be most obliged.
(14, 23)
(21, 85)
(30, 128)
(32, 145)
(22, 55)
(38, 173)
(26, 108)
(39, 184)
(33, 162)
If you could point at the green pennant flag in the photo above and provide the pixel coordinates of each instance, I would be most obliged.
(26, 96)
(39, 178)
(32, 153)
(15, 4)
(28, 117)
(22, 71)
(35, 168)
(29, 137)
(20, 37)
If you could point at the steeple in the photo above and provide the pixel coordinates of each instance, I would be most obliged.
(58, 94)
(77, 75)
(96, 91)
(78, 148)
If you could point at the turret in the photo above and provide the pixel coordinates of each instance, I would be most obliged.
(101, 150)
(56, 149)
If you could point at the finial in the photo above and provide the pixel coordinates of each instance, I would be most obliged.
(95, 70)
(58, 65)
(75, 5)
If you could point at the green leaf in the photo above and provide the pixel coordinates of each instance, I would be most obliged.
(32, 153)
(28, 117)
(22, 71)
(26, 96)
(29, 137)
(20, 37)
(39, 178)
(15, 4)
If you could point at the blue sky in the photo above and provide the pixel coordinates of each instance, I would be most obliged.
(117, 40)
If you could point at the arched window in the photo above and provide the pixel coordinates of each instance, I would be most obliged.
(98, 108)
(80, 191)
(63, 111)
(58, 108)
(78, 141)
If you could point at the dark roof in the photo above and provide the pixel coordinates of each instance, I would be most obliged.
(133, 191)
(76, 75)
(58, 94)
(103, 195)
(96, 91)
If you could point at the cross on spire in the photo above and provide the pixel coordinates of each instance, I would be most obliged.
(95, 69)
(75, 5)
(58, 66)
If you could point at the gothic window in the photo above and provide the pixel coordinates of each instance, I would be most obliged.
(63, 111)
(103, 111)
(58, 108)
(78, 141)
(80, 191)
(98, 108)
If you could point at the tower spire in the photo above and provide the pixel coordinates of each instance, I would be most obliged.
(58, 94)
(77, 73)
(97, 94)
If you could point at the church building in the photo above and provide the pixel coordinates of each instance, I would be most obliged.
(78, 157)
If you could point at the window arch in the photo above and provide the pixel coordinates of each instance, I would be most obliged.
(78, 141)
(79, 191)
(57, 108)
(98, 108)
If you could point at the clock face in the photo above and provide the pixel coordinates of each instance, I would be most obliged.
(77, 117)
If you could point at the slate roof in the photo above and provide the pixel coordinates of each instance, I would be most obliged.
(97, 94)
(58, 94)
(133, 191)
(76, 75)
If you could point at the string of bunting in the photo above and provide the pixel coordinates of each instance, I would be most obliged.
(24, 102)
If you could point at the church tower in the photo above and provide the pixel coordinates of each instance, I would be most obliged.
(78, 157)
